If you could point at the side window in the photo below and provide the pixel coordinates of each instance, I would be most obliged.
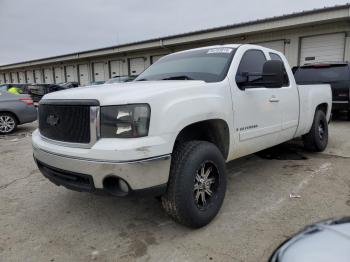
(252, 62)
(275, 57)
(278, 58)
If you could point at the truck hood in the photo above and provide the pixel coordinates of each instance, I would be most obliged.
(127, 93)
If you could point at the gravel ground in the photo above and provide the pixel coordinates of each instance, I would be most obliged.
(42, 222)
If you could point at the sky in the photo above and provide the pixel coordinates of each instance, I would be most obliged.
(32, 29)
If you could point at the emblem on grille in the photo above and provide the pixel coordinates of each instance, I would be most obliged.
(52, 120)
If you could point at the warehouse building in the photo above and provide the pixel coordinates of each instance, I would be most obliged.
(309, 36)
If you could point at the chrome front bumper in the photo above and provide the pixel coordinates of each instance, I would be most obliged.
(139, 175)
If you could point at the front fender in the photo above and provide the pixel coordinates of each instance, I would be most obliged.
(171, 114)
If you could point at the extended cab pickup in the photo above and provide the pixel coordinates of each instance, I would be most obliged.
(171, 130)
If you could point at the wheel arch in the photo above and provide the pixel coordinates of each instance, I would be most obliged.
(323, 107)
(12, 114)
(215, 131)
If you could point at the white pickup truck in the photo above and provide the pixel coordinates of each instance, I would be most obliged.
(170, 132)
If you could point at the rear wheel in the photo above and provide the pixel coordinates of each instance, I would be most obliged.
(317, 139)
(8, 123)
(197, 184)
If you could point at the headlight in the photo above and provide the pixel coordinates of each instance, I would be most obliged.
(127, 121)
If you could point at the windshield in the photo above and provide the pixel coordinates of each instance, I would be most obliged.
(325, 74)
(209, 65)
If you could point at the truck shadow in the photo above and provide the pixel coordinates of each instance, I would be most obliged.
(288, 151)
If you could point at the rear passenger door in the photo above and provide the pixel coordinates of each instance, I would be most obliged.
(289, 102)
(257, 112)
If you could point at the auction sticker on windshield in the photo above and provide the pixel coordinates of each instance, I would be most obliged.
(220, 51)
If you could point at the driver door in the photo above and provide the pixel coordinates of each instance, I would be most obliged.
(257, 111)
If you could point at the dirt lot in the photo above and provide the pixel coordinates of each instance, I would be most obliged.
(42, 222)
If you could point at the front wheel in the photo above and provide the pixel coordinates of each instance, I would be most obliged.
(197, 184)
(317, 139)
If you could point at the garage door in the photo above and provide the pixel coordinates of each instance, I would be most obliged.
(38, 76)
(7, 78)
(59, 78)
(14, 77)
(2, 79)
(21, 77)
(83, 74)
(322, 48)
(30, 76)
(71, 74)
(48, 76)
(99, 71)
(275, 45)
(137, 66)
(155, 58)
(117, 68)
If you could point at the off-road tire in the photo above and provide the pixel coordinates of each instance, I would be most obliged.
(179, 200)
(314, 141)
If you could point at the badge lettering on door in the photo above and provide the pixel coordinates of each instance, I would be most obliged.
(247, 128)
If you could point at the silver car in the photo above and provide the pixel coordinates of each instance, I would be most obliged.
(15, 109)
(325, 241)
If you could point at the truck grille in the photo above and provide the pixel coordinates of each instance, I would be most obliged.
(66, 123)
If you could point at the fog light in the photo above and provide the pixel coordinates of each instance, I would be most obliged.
(123, 186)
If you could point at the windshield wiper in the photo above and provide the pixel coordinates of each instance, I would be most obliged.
(179, 77)
(142, 79)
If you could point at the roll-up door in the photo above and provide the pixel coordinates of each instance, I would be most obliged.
(83, 74)
(117, 68)
(21, 77)
(7, 78)
(71, 74)
(58, 72)
(48, 76)
(14, 77)
(137, 66)
(30, 77)
(99, 71)
(322, 48)
(38, 76)
(275, 45)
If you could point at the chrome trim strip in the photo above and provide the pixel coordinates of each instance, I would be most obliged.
(139, 174)
(163, 157)
(340, 102)
(97, 122)
(70, 102)
(94, 131)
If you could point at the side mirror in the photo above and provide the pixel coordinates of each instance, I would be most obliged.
(273, 74)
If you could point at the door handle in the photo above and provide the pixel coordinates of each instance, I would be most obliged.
(274, 99)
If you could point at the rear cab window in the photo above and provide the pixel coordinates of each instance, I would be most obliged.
(274, 56)
(277, 57)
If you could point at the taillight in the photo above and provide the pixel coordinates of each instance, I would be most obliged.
(27, 100)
